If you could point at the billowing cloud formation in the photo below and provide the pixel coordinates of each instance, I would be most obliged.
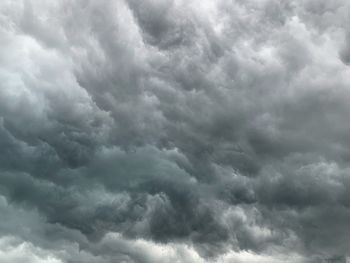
(174, 131)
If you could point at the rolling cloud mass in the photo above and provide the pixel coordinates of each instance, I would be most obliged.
(174, 131)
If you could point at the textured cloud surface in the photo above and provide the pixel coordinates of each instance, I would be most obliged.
(174, 131)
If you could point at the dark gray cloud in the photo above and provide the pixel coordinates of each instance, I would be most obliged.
(174, 131)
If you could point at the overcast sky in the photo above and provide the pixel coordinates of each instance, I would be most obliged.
(174, 131)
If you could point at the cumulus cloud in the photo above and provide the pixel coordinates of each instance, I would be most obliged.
(174, 131)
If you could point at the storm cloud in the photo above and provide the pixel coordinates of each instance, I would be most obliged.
(174, 131)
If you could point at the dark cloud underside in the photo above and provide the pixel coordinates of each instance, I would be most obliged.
(174, 131)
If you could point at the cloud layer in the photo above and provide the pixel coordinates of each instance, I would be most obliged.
(174, 131)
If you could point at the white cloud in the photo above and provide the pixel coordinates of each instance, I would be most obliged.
(13, 250)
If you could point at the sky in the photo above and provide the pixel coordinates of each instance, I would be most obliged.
(174, 131)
